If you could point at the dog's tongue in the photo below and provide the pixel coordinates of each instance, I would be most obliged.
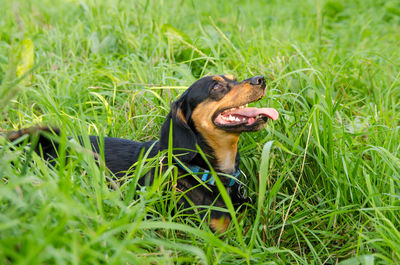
(254, 112)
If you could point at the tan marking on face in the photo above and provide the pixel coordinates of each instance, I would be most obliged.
(224, 143)
(180, 115)
(220, 224)
(218, 78)
(230, 77)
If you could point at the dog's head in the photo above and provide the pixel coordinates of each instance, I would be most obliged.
(214, 109)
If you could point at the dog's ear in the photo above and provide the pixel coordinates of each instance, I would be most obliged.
(183, 138)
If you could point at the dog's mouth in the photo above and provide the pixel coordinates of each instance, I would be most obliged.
(244, 118)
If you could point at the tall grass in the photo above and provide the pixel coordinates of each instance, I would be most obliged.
(324, 179)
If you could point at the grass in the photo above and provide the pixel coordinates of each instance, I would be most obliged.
(329, 168)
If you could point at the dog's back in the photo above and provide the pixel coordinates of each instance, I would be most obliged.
(121, 154)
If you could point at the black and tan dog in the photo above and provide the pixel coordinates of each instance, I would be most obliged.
(211, 114)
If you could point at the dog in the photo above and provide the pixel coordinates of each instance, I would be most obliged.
(209, 115)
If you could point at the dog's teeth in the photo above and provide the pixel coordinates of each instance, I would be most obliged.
(246, 105)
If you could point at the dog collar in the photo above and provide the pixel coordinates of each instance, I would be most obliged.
(206, 174)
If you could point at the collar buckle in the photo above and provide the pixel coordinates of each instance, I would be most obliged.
(209, 178)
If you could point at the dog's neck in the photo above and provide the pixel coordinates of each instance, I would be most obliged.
(221, 152)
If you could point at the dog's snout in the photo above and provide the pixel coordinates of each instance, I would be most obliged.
(257, 80)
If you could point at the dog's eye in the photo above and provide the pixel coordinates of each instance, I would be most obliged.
(217, 86)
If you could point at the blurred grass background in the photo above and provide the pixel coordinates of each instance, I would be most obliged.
(332, 174)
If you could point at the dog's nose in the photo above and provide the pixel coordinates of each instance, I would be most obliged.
(257, 80)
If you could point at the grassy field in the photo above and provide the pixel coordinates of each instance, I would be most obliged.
(324, 178)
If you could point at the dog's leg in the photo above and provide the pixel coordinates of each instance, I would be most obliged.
(39, 138)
